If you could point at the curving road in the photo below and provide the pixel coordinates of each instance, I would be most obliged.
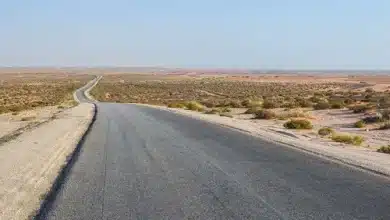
(144, 163)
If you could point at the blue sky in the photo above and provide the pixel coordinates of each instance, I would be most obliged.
(267, 34)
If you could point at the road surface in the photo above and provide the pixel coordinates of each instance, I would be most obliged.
(144, 163)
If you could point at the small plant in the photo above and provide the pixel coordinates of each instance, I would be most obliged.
(337, 105)
(348, 139)
(15, 113)
(325, 131)
(252, 110)
(225, 109)
(298, 124)
(213, 111)
(322, 106)
(360, 124)
(384, 149)
(194, 106)
(265, 114)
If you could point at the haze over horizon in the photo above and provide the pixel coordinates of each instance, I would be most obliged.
(247, 34)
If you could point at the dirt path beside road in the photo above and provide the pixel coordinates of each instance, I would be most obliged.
(30, 163)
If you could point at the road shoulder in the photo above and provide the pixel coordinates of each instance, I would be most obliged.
(30, 163)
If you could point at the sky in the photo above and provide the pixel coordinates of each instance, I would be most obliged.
(259, 34)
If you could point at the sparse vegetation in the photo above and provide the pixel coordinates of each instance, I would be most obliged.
(265, 114)
(325, 131)
(298, 124)
(360, 124)
(384, 149)
(28, 91)
(194, 106)
(322, 106)
(348, 139)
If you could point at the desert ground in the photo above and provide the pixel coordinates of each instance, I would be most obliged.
(336, 110)
(28, 99)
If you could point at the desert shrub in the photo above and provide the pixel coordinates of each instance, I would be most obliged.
(384, 149)
(176, 105)
(268, 104)
(252, 110)
(361, 108)
(264, 114)
(385, 114)
(194, 106)
(325, 131)
(292, 114)
(226, 114)
(385, 126)
(337, 105)
(348, 139)
(246, 103)
(359, 124)
(291, 104)
(225, 109)
(316, 99)
(234, 104)
(348, 101)
(305, 103)
(213, 111)
(298, 124)
(321, 106)
(208, 103)
(370, 90)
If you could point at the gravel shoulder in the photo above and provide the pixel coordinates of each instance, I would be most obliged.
(359, 157)
(30, 163)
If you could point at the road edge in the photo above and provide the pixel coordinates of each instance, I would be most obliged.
(61, 177)
(344, 161)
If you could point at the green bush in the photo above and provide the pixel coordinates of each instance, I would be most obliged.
(265, 114)
(325, 131)
(360, 124)
(194, 106)
(321, 106)
(384, 149)
(348, 139)
(298, 124)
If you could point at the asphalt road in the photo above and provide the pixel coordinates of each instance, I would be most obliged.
(144, 163)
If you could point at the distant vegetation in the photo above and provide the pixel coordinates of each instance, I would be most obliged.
(23, 92)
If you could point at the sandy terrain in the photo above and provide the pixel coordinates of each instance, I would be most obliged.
(10, 123)
(30, 163)
(363, 157)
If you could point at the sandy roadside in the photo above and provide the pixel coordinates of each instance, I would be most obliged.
(359, 157)
(30, 163)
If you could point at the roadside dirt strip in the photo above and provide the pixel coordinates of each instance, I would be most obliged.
(30, 164)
